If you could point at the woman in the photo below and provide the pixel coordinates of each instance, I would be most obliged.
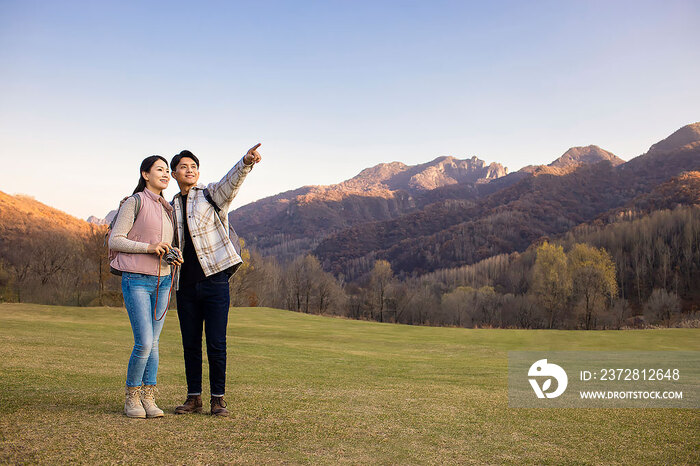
(142, 233)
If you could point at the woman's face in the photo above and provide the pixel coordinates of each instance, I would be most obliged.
(158, 177)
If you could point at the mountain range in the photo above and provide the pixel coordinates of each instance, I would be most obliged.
(585, 184)
(297, 221)
(446, 212)
(451, 212)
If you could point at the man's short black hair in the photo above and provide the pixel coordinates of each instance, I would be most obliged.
(178, 157)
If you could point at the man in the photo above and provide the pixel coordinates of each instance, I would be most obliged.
(210, 259)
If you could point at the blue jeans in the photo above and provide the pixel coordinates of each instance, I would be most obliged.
(139, 292)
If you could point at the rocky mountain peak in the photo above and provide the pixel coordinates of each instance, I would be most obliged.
(102, 221)
(572, 159)
(576, 156)
(686, 137)
(379, 173)
(451, 170)
(441, 171)
(96, 220)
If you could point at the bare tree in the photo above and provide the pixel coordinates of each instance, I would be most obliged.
(5, 280)
(662, 306)
(241, 285)
(19, 259)
(267, 280)
(619, 311)
(380, 278)
(403, 294)
(310, 274)
(293, 283)
(51, 256)
(96, 250)
(457, 303)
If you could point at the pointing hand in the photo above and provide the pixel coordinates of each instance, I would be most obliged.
(252, 156)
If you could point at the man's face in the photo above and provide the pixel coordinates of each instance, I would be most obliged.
(186, 173)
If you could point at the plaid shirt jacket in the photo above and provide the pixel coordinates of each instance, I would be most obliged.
(208, 229)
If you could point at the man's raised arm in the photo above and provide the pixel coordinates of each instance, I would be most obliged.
(223, 192)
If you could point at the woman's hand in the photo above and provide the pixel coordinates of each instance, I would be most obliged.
(179, 260)
(159, 248)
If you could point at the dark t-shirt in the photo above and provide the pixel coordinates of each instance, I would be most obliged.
(191, 271)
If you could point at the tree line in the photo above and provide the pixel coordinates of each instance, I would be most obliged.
(635, 271)
(58, 267)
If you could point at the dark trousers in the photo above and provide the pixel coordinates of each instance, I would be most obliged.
(204, 303)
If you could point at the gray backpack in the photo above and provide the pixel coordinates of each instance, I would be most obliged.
(112, 254)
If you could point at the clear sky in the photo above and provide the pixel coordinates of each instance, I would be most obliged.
(90, 88)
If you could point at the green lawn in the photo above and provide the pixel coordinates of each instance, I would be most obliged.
(310, 389)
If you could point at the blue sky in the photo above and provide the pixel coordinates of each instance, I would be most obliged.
(88, 89)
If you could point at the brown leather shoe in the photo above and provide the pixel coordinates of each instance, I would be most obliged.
(193, 404)
(218, 406)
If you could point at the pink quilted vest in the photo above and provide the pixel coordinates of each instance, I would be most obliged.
(148, 228)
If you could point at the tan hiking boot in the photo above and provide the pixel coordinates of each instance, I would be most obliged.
(218, 406)
(193, 404)
(132, 405)
(148, 400)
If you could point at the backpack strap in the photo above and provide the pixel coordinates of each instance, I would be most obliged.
(233, 236)
(138, 205)
(207, 196)
(136, 213)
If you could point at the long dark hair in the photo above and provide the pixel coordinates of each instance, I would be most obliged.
(146, 167)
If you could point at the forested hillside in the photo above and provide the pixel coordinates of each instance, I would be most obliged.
(49, 256)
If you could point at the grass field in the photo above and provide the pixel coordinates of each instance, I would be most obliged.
(310, 389)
